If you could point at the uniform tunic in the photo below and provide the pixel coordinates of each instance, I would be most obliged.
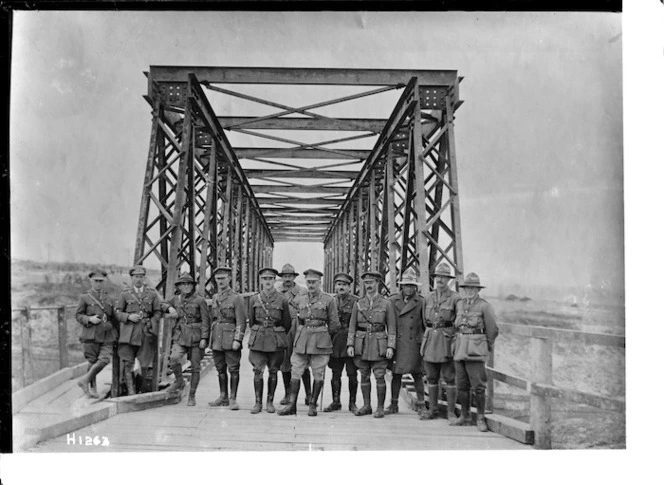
(410, 328)
(344, 308)
(147, 304)
(440, 313)
(193, 321)
(270, 320)
(476, 330)
(318, 320)
(99, 304)
(229, 320)
(290, 294)
(372, 328)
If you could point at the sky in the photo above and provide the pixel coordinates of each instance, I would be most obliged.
(539, 137)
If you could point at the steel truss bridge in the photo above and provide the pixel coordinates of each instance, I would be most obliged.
(379, 189)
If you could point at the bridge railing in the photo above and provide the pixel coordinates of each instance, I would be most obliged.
(539, 386)
(35, 351)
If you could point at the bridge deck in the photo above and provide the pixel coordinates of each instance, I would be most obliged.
(202, 428)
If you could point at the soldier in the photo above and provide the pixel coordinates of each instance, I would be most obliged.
(291, 290)
(190, 334)
(371, 340)
(317, 322)
(138, 310)
(436, 350)
(229, 321)
(95, 314)
(339, 358)
(476, 331)
(409, 306)
(270, 320)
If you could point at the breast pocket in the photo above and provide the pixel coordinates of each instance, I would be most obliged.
(446, 314)
(320, 311)
(379, 316)
(227, 312)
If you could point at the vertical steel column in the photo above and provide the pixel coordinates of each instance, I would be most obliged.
(208, 221)
(456, 210)
(389, 204)
(245, 247)
(237, 233)
(420, 194)
(371, 226)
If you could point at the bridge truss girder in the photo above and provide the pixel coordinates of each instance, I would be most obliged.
(403, 209)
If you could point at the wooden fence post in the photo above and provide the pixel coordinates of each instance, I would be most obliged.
(26, 350)
(62, 338)
(541, 360)
(489, 385)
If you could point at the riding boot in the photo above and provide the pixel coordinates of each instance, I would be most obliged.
(195, 379)
(306, 381)
(365, 387)
(451, 405)
(222, 400)
(89, 378)
(286, 376)
(464, 400)
(129, 378)
(178, 383)
(318, 386)
(291, 407)
(235, 380)
(480, 401)
(419, 392)
(432, 412)
(381, 391)
(336, 395)
(395, 389)
(258, 391)
(93, 382)
(352, 389)
(271, 386)
(146, 383)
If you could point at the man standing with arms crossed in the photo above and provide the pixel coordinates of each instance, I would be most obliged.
(270, 321)
(339, 358)
(317, 321)
(138, 310)
(229, 321)
(190, 334)
(371, 341)
(476, 332)
(440, 313)
(291, 290)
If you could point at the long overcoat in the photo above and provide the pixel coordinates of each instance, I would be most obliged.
(410, 329)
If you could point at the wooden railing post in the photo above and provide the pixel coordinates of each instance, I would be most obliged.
(489, 385)
(62, 338)
(26, 350)
(541, 359)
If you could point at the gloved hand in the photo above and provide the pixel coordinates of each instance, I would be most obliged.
(351, 351)
(236, 345)
(203, 344)
(390, 353)
(94, 319)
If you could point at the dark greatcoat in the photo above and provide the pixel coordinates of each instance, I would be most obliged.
(410, 329)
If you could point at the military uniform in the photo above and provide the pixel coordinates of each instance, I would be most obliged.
(290, 294)
(339, 357)
(137, 340)
(476, 331)
(191, 327)
(229, 322)
(371, 331)
(436, 350)
(97, 338)
(270, 321)
(317, 321)
(407, 358)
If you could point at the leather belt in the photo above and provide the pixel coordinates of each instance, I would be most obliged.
(440, 325)
(315, 323)
(265, 323)
(374, 327)
(472, 332)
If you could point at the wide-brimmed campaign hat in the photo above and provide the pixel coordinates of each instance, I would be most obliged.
(288, 269)
(409, 277)
(471, 281)
(443, 269)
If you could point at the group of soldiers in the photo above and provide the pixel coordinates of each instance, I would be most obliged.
(299, 332)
